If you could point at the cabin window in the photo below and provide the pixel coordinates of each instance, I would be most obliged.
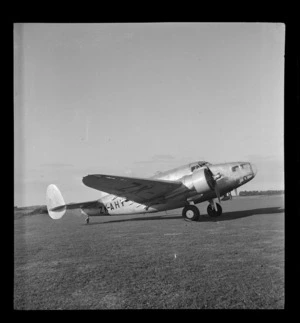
(234, 168)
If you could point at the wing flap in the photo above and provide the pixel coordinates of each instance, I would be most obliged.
(139, 190)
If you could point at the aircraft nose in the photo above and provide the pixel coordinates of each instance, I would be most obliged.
(254, 169)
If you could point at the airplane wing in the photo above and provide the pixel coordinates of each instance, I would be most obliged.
(139, 190)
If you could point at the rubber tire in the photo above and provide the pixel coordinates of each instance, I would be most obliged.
(87, 221)
(212, 213)
(192, 208)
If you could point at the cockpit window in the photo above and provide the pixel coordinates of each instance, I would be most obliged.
(203, 163)
(194, 167)
(245, 165)
(199, 165)
(234, 168)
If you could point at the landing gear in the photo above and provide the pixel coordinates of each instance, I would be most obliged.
(214, 209)
(191, 212)
(87, 219)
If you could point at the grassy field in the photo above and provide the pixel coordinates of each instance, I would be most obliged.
(157, 261)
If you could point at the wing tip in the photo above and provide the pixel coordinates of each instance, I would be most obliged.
(85, 177)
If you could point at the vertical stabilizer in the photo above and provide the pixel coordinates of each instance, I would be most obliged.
(53, 200)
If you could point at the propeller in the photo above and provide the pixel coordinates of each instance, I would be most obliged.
(214, 184)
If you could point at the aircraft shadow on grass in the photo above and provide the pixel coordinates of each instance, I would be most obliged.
(224, 217)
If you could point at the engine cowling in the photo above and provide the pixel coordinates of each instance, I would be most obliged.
(201, 181)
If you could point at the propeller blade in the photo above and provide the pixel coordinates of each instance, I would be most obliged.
(217, 192)
(216, 188)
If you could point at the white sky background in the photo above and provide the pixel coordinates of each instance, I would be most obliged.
(133, 99)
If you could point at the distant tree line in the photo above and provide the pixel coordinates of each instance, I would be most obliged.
(31, 210)
(269, 192)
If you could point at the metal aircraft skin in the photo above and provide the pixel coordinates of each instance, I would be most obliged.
(183, 186)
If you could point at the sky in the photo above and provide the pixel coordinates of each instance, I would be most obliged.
(136, 98)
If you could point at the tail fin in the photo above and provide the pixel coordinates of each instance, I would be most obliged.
(54, 199)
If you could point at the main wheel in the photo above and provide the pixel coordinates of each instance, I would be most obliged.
(87, 220)
(191, 212)
(212, 212)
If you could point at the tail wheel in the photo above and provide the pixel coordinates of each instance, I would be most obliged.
(214, 213)
(191, 212)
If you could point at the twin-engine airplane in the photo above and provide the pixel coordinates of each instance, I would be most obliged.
(184, 187)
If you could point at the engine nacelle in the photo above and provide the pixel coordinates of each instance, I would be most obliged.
(201, 181)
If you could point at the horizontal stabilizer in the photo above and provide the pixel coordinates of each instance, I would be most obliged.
(73, 206)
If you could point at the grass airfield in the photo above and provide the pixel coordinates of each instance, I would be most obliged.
(154, 261)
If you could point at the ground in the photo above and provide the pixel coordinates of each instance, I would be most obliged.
(157, 261)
